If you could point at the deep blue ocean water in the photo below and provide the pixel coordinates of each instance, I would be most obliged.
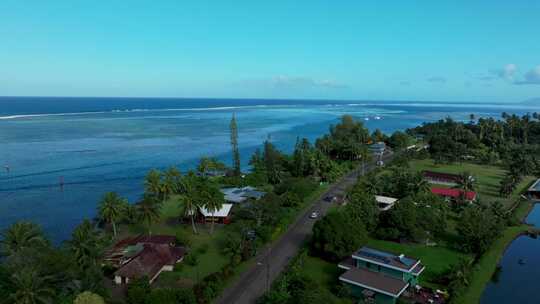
(95, 145)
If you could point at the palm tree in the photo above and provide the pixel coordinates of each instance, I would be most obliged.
(152, 183)
(190, 198)
(29, 287)
(213, 201)
(421, 185)
(472, 118)
(364, 155)
(525, 125)
(171, 182)
(20, 236)
(466, 182)
(111, 208)
(149, 211)
(86, 244)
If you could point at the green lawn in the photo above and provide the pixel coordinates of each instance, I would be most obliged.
(437, 259)
(321, 271)
(204, 244)
(487, 178)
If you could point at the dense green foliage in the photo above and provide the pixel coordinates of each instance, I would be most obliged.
(336, 235)
(296, 287)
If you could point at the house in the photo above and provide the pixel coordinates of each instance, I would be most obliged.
(150, 262)
(441, 178)
(144, 256)
(125, 250)
(534, 191)
(376, 276)
(240, 195)
(378, 148)
(213, 173)
(452, 194)
(384, 202)
(220, 216)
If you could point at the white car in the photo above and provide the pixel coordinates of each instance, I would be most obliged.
(314, 215)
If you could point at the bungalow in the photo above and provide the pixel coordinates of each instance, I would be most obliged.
(384, 202)
(150, 262)
(451, 194)
(220, 216)
(534, 191)
(381, 277)
(240, 195)
(142, 256)
(126, 249)
(441, 178)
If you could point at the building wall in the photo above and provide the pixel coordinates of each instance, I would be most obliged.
(356, 291)
(410, 278)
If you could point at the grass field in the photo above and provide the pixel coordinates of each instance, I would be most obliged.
(487, 178)
(321, 271)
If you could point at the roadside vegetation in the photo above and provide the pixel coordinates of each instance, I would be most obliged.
(460, 243)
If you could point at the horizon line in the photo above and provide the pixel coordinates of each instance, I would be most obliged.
(263, 98)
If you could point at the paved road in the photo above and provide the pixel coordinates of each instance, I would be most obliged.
(273, 259)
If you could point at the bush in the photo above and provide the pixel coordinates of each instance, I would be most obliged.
(203, 249)
(209, 288)
(291, 200)
(337, 235)
(137, 291)
(183, 238)
(171, 296)
(88, 298)
(192, 259)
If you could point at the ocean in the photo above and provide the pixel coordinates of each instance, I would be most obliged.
(96, 145)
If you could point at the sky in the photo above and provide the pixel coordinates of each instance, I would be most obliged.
(359, 50)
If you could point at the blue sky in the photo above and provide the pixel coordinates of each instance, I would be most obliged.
(391, 50)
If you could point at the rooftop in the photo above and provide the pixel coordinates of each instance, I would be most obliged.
(239, 195)
(150, 261)
(535, 186)
(440, 175)
(385, 202)
(399, 262)
(454, 193)
(223, 212)
(375, 281)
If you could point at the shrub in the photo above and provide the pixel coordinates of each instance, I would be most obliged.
(88, 297)
(183, 238)
(337, 235)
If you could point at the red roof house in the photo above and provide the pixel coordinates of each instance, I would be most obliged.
(454, 193)
(150, 262)
(144, 255)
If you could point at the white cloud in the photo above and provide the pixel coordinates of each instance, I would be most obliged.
(531, 77)
(507, 72)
